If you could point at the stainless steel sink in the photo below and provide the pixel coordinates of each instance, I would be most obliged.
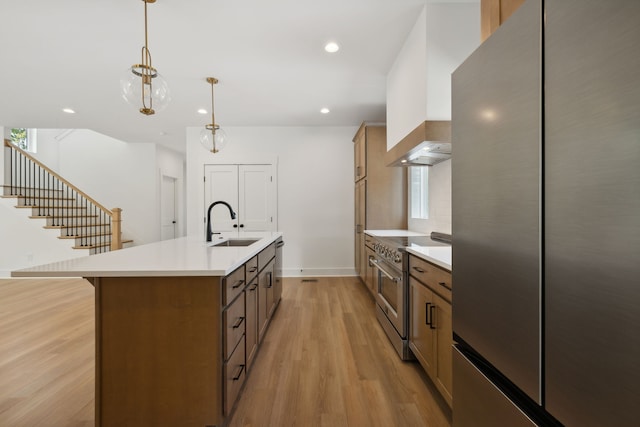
(235, 242)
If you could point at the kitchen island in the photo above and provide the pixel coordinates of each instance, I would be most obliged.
(178, 323)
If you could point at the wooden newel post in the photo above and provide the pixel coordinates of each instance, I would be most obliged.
(116, 229)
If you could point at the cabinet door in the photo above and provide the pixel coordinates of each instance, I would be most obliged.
(371, 276)
(255, 198)
(251, 315)
(251, 192)
(221, 183)
(265, 298)
(421, 332)
(444, 346)
(360, 156)
(360, 255)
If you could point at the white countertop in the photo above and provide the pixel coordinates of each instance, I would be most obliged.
(438, 255)
(185, 256)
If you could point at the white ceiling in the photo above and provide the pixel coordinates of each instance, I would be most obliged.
(268, 56)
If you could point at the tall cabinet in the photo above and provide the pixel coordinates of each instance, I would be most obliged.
(380, 191)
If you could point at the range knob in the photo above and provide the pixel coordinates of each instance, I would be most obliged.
(397, 258)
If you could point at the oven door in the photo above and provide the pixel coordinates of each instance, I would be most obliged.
(390, 295)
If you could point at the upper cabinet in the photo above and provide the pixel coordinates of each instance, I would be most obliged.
(493, 13)
(360, 154)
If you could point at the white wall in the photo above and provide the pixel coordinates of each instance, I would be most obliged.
(25, 243)
(419, 82)
(171, 163)
(315, 190)
(116, 174)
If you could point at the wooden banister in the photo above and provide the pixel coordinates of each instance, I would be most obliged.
(114, 214)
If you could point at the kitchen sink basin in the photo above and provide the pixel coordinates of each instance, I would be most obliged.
(235, 242)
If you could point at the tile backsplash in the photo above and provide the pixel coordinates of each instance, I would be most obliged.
(439, 201)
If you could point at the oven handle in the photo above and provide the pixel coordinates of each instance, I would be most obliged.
(383, 271)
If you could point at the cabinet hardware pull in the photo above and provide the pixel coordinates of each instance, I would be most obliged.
(443, 284)
(418, 269)
(253, 288)
(432, 325)
(426, 313)
(238, 323)
(237, 376)
(237, 284)
(280, 244)
(253, 269)
(270, 274)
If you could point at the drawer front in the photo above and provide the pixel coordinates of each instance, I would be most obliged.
(234, 325)
(234, 284)
(234, 375)
(437, 279)
(266, 255)
(251, 268)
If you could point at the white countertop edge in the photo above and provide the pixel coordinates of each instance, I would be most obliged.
(139, 261)
(439, 261)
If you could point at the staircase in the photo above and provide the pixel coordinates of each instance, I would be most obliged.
(50, 198)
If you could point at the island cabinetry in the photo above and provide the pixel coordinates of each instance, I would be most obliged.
(251, 332)
(430, 330)
(159, 351)
(234, 283)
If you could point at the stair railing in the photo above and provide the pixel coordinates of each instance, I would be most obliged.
(66, 206)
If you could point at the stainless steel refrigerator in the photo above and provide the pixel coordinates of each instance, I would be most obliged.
(546, 219)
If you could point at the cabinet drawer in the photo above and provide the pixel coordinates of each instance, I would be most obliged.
(266, 255)
(251, 268)
(233, 285)
(234, 375)
(234, 321)
(437, 279)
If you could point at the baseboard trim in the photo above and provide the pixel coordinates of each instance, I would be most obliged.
(318, 272)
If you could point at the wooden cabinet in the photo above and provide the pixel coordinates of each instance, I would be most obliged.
(430, 328)
(266, 298)
(251, 307)
(493, 13)
(380, 191)
(371, 272)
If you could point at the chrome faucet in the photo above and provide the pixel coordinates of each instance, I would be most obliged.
(233, 216)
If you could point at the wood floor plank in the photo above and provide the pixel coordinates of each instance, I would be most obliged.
(324, 361)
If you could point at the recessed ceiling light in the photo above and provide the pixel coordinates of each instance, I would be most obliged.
(68, 111)
(202, 111)
(332, 47)
(325, 110)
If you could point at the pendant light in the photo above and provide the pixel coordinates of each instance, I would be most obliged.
(212, 137)
(142, 86)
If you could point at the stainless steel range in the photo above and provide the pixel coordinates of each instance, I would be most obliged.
(392, 284)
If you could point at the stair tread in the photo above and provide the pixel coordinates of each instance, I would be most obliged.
(76, 226)
(63, 216)
(84, 236)
(50, 207)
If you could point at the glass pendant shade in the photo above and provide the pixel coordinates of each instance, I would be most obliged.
(213, 140)
(144, 88)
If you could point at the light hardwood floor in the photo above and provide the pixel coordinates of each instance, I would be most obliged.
(325, 361)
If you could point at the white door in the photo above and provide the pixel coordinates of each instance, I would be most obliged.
(168, 208)
(255, 199)
(249, 189)
(221, 183)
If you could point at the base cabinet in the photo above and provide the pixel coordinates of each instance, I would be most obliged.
(430, 327)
